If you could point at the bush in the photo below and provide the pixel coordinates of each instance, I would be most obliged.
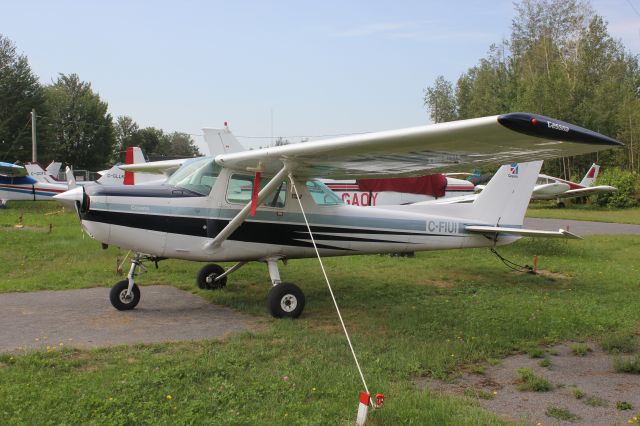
(626, 183)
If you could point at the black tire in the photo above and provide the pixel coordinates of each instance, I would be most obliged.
(561, 205)
(118, 299)
(285, 300)
(206, 276)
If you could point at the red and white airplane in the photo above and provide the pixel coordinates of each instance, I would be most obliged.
(553, 188)
(398, 191)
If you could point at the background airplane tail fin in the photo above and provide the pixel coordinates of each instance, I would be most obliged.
(35, 171)
(505, 199)
(221, 141)
(53, 169)
(71, 179)
(590, 178)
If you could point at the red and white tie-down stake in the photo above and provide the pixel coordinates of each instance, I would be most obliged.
(363, 406)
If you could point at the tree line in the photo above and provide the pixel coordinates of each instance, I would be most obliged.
(72, 121)
(559, 61)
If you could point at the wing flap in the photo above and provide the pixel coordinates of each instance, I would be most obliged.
(561, 233)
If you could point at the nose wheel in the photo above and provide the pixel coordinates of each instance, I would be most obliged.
(121, 298)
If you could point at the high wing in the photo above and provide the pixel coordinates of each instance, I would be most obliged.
(585, 192)
(12, 170)
(521, 232)
(166, 167)
(442, 147)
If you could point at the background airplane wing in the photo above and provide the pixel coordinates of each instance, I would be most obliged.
(585, 192)
(166, 167)
(12, 170)
(422, 150)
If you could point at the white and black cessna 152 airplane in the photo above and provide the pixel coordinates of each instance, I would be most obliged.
(265, 205)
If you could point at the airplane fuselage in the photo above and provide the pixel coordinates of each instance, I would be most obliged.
(173, 222)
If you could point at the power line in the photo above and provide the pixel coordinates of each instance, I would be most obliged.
(633, 7)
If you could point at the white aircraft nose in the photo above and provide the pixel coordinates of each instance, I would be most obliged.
(69, 198)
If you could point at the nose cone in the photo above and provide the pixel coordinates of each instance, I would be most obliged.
(69, 198)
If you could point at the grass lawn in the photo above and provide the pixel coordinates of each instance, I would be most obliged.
(432, 315)
(548, 210)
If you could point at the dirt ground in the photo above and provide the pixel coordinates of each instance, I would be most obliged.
(593, 374)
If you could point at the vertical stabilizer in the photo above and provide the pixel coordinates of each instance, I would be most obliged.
(35, 171)
(221, 141)
(505, 199)
(71, 179)
(53, 169)
(590, 178)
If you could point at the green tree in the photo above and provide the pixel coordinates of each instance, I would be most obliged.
(182, 146)
(20, 92)
(81, 127)
(440, 101)
(127, 133)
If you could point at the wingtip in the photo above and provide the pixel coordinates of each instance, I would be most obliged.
(550, 128)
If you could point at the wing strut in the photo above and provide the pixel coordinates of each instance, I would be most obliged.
(344, 327)
(246, 210)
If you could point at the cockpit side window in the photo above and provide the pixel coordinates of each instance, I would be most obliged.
(241, 187)
(198, 175)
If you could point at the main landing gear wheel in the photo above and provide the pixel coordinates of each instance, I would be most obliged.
(285, 300)
(208, 274)
(119, 298)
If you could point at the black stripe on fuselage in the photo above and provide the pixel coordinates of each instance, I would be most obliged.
(250, 231)
(155, 191)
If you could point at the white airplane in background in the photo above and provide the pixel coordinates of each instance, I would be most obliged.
(203, 212)
(49, 175)
(26, 183)
(553, 188)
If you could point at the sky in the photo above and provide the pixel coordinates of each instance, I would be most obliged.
(287, 69)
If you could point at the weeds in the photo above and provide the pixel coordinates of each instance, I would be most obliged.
(580, 349)
(479, 393)
(595, 401)
(561, 414)
(536, 353)
(529, 382)
(578, 393)
(623, 405)
(545, 362)
(616, 343)
(627, 365)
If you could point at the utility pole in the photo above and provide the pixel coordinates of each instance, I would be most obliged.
(34, 151)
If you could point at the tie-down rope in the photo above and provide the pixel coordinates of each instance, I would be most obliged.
(344, 327)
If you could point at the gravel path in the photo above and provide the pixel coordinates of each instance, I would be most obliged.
(593, 374)
(85, 318)
(581, 227)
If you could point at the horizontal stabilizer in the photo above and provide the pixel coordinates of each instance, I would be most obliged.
(561, 233)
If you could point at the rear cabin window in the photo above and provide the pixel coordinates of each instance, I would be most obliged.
(322, 195)
(241, 187)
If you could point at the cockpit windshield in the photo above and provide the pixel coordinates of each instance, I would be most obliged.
(197, 175)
